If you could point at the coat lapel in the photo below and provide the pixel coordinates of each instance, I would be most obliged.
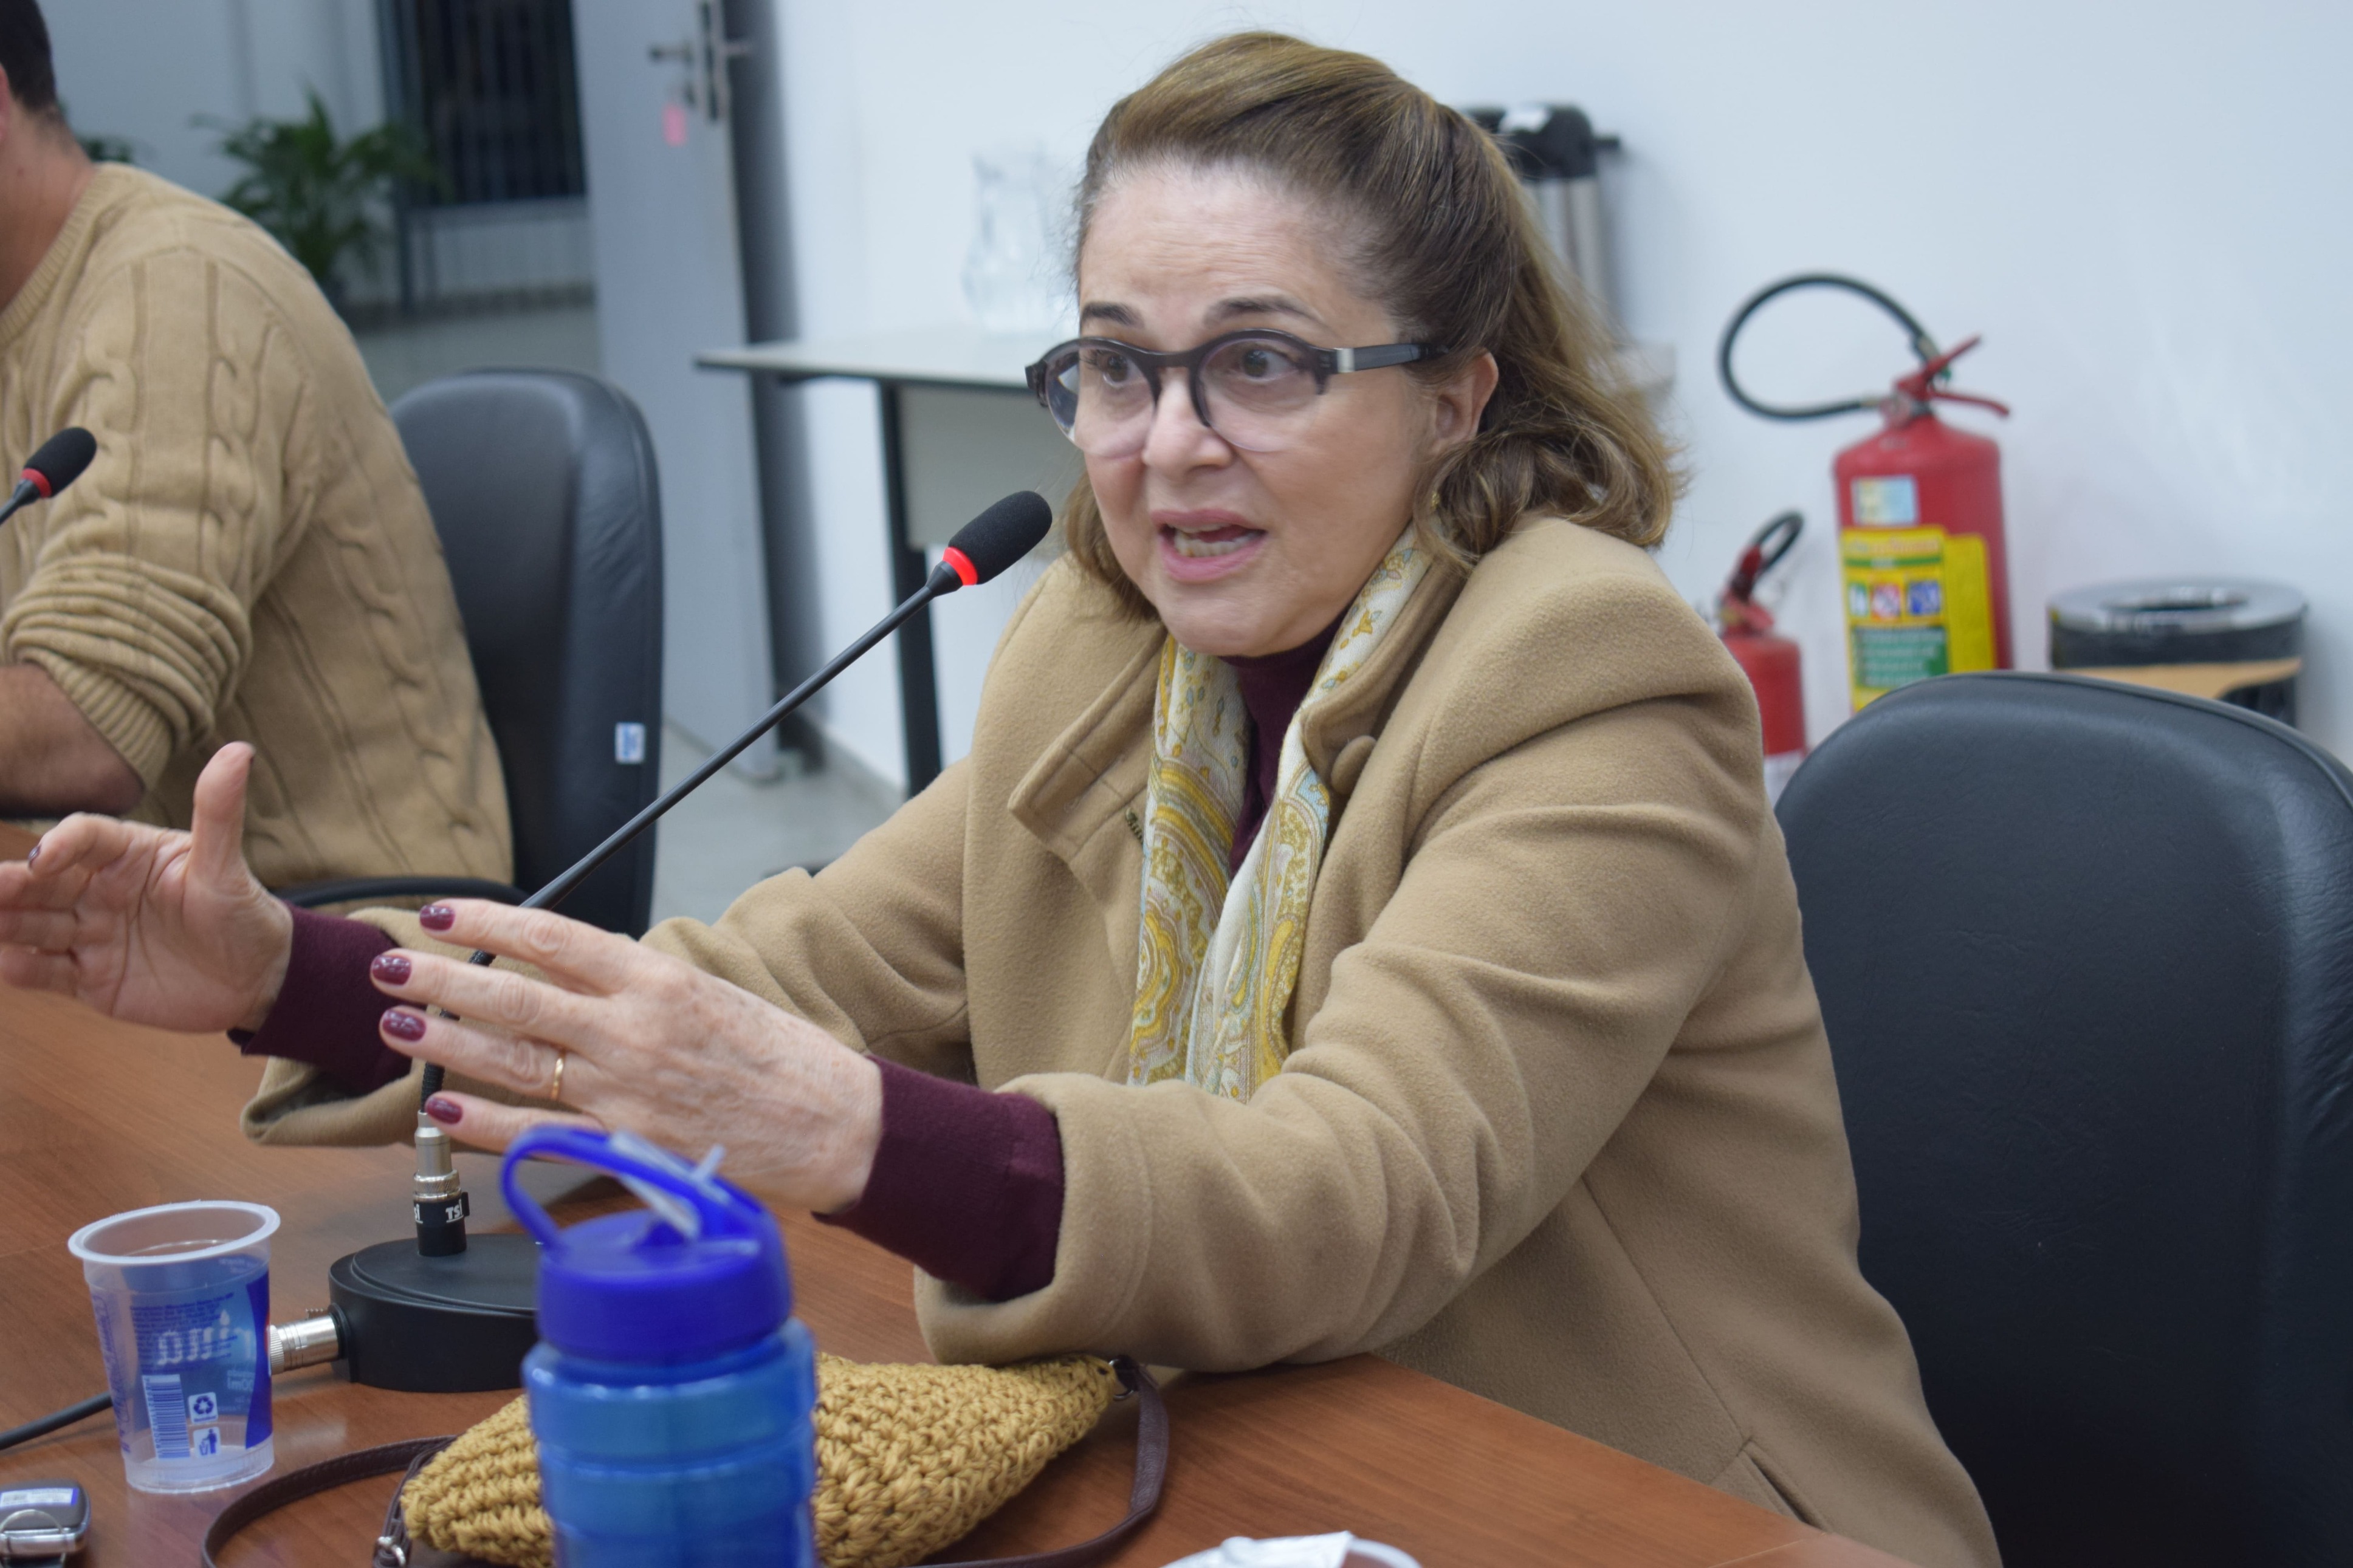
(1339, 735)
(1078, 796)
(1077, 800)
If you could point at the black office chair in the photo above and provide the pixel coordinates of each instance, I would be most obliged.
(2085, 953)
(541, 486)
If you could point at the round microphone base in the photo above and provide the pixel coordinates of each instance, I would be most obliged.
(457, 1324)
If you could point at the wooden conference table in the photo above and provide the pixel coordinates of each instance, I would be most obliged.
(98, 1117)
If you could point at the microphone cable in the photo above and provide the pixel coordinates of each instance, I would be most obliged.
(43, 1425)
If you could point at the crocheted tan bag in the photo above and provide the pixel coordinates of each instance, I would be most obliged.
(909, 1458)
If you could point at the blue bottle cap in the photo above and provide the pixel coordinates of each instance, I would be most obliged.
(700, 1273)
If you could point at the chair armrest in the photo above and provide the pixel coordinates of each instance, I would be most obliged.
(354, 889)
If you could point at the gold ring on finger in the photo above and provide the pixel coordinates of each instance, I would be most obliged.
(555, 1084)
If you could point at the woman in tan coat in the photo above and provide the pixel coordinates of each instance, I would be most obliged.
(1359, 926)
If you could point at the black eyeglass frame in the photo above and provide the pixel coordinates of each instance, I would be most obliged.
(1325, 363)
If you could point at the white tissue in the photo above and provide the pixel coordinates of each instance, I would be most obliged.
(1295, 1552)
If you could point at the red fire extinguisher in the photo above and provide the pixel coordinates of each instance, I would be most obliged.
(1923, 572)
(1769, 660)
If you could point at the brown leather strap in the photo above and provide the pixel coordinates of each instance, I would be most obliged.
(1151, 1472)
(324, 1476)
(393, 1550)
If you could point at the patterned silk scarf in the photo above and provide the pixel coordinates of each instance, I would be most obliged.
(1216, 964)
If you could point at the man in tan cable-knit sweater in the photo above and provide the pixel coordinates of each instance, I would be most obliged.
(248, 559)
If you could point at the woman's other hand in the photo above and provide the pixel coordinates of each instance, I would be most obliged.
(648, 1043)
(150, 925)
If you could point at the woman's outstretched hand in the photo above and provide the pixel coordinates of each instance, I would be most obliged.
(147, 924)
(648, 1043)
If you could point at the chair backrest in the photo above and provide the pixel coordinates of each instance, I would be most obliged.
(2085, 954)
(541, 486)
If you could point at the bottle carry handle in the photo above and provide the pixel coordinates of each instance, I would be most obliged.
(722, 1209)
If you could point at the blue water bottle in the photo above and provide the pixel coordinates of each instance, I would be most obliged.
(672, 1393)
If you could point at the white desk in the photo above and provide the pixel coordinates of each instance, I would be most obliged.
(960, 429)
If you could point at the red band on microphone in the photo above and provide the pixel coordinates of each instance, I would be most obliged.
(40, 481)
(955, 558)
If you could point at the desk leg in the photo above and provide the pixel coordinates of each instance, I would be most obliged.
(919, 701)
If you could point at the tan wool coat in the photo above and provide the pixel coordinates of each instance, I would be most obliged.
(248, 557)
(1558, 1125)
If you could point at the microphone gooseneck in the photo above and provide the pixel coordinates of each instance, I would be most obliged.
(59, 463)
(981, 550)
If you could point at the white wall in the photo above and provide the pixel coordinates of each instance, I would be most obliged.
(826, 106)
(148, 70)
(168, 74)
(2143, 209)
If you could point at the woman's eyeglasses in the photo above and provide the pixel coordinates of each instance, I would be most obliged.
(1259, 390)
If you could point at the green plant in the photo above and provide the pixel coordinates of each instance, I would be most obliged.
(105, 149)
(321, 196)
(101, 148)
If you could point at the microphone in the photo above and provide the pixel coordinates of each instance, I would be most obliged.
(439, 1314)
(981, 550)
(59, 463)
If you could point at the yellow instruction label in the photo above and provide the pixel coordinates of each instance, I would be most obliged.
(1917, 604)
(1968, 603)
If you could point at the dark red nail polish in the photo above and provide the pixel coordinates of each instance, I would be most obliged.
(445, 1112)
(390, 968)
(402, 1024)
(436, 917)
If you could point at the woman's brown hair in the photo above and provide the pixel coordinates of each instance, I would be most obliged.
(1445, 241)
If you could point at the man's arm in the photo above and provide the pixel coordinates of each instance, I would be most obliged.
(52, 759)
(139, 583)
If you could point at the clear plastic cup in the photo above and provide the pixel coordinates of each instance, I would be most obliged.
(181, 1294)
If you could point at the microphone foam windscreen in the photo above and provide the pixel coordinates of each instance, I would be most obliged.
(62, 457)
(1003, 534)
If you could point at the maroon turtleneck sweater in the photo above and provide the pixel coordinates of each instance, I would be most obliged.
(966, 1183)
(1273, 686)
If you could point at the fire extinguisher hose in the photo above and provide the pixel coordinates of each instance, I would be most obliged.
(1764, 552)
(1922, 344)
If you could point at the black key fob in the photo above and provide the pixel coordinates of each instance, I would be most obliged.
(42, 1522)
